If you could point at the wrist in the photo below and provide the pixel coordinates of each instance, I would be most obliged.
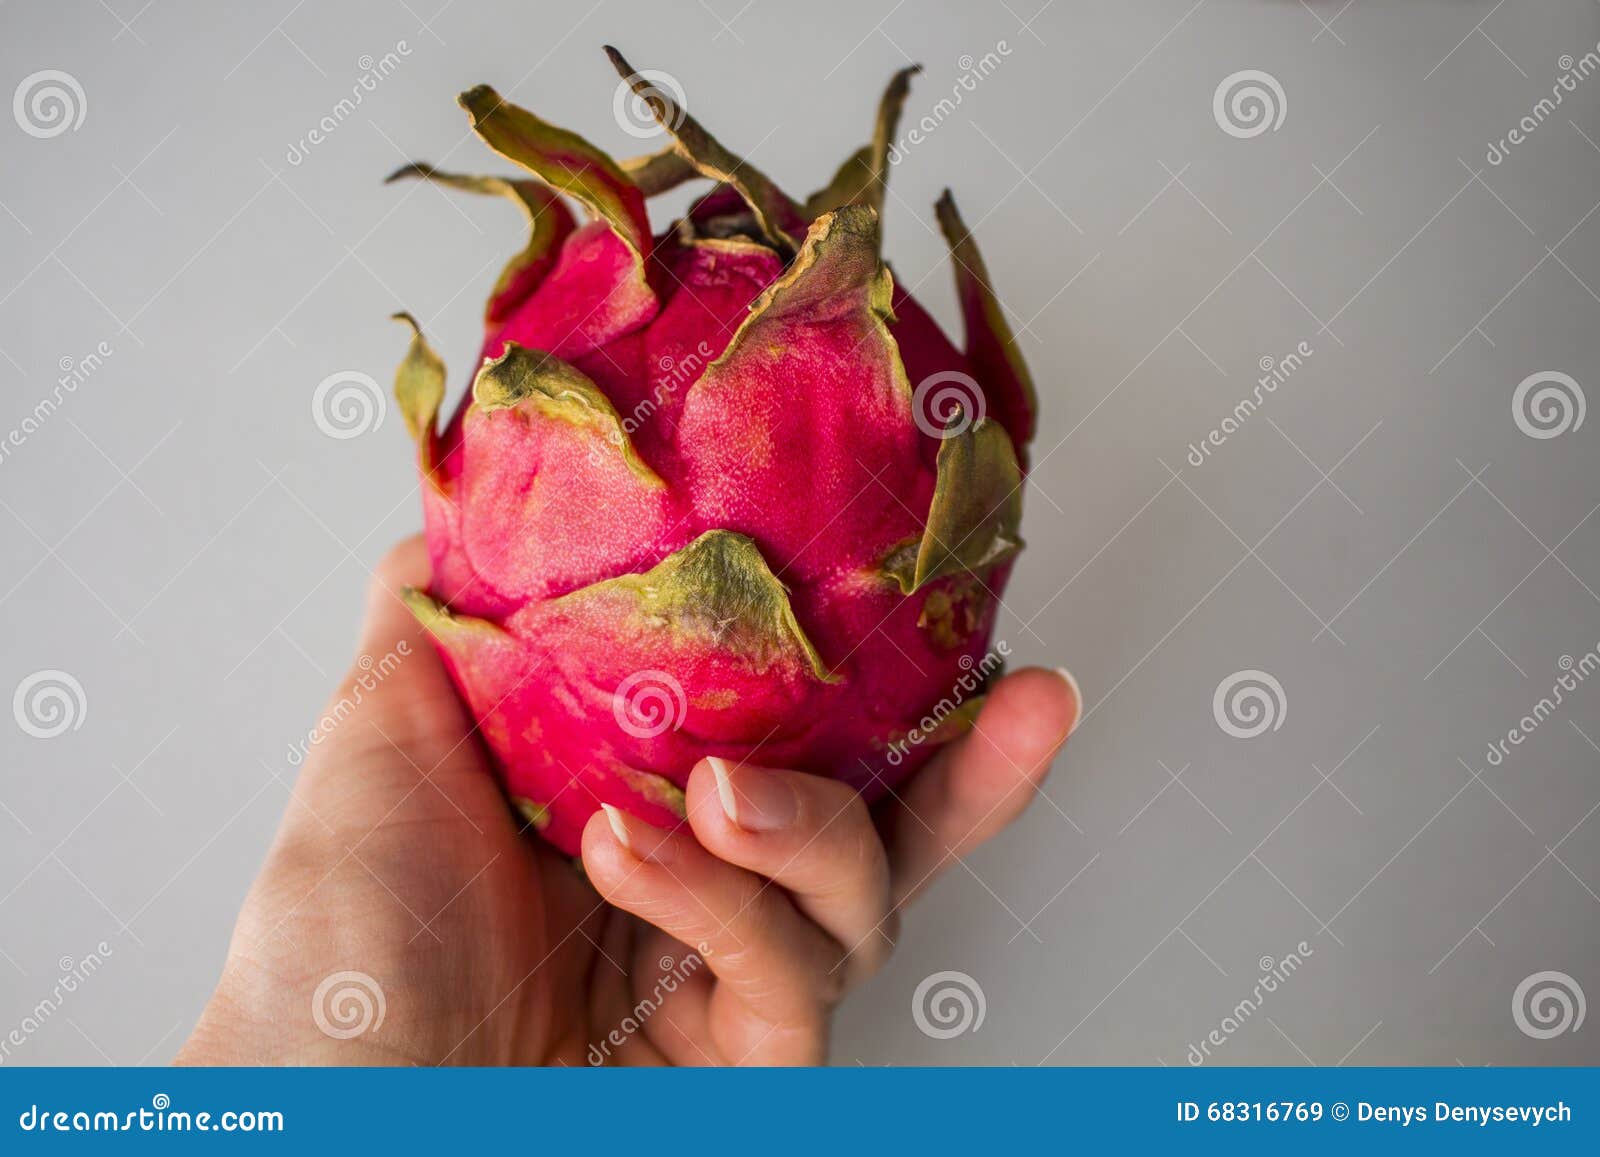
(248, 1023)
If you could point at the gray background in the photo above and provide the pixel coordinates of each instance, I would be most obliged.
(1381, 537)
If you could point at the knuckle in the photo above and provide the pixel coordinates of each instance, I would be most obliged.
(755, 917)
(823, 801)
(841, 801)
(875, 948)
(847, 820)
(856, 813)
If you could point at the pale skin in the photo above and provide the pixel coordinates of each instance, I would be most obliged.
(400, 859)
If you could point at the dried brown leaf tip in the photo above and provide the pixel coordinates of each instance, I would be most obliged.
(782, 221)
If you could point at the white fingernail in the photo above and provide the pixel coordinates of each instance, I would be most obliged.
(730, 805)
(1077, 697)
(618, 828)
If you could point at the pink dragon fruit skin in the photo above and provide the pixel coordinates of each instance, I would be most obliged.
(695, 503)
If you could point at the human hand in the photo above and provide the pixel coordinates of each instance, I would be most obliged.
(725, 941)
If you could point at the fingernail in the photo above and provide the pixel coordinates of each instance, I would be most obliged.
(762, 803)
(730, 805)
(619, 827)
(1077, 697)
(643, 841)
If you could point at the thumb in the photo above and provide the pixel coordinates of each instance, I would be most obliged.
(395, 718)
(397, 692)
(388, 620)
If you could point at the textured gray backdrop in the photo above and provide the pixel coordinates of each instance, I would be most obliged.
(1383, 536)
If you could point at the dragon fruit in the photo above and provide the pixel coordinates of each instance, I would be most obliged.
(723, 491)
